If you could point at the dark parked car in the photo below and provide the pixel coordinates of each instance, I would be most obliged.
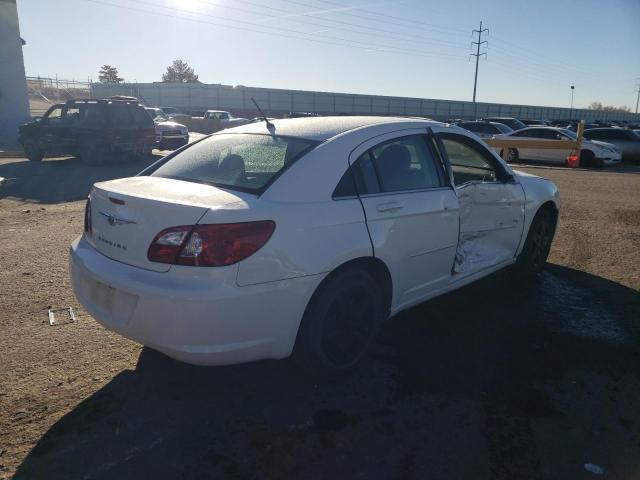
(626, 140)
(485, 129)
(510, 122)
(536, 123)
(96, 130)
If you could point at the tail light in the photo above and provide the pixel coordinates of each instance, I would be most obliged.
(210, 245)
(87, 218)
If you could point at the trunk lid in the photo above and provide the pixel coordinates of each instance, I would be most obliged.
(127, 214)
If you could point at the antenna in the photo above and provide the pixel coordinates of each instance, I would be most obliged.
(266, 120)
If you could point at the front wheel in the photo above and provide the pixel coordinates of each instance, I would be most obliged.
(32, 151)
(537, 245)
(588, 159)
(339, 325)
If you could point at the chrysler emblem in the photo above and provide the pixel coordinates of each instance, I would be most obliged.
(113, 220)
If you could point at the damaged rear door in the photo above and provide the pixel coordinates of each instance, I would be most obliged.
(491, 205)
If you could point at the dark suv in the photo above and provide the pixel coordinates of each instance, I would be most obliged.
(96, 130)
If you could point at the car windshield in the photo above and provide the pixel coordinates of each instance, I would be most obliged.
(157, 115)
(503, 128)
(245, 162)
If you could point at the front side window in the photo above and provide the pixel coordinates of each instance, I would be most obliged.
(468, 161)
(405, 163)
(54, 116)
(244, 162)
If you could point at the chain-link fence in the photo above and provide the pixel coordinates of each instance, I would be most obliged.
(45, 91)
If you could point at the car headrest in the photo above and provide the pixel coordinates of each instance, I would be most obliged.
(231, 164)
(393, 159)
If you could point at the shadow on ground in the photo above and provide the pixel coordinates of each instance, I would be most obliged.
(627, 168)
(476, 384)
(60, 180)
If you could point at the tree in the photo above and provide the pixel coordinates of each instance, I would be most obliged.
(109, 74)
(179, 72)
(608, 108)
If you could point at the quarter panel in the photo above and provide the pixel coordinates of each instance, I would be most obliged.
(309, 238)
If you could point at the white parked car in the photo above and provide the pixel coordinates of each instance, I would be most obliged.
(225, 118)
(302, 238)
(593, 154)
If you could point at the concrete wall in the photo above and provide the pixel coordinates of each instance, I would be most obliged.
(276, 102)
(14, 105)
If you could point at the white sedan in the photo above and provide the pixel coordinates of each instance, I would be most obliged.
(593, 153)
(300, 237)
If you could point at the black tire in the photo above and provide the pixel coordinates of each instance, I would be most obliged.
(537, 245)
(588, 159)
(32, 151)
(513, 155)
(340, 323)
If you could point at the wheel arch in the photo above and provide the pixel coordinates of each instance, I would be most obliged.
(374, 267)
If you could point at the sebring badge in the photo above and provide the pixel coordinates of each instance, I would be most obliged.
(113, 221)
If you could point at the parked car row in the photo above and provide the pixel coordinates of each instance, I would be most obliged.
(601, 145)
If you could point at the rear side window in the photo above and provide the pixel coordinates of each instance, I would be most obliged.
(120, 115)
(72, 116)
(245, 162)
(405, 164)
(141, 116)
(402, 164)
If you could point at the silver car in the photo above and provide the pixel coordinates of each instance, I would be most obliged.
(593, 154)
(626, 140)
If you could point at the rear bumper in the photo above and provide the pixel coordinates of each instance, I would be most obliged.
(193, 315)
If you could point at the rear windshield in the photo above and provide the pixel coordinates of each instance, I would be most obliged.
(245, 162)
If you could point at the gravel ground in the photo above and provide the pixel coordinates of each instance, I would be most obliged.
(495, 381)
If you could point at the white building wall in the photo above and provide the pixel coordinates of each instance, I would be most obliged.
(276, 102)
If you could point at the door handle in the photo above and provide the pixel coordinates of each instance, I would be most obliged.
(390, 207)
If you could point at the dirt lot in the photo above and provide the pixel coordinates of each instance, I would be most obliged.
(497, 381)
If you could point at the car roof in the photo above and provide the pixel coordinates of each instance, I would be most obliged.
(217, 111)
(324, 128)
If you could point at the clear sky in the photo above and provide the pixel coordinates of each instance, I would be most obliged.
(417, 48)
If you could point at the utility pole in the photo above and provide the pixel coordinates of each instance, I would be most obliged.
(477, 55)
(572, 89)
(638, 98)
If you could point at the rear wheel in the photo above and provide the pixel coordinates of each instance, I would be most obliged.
(339, 325)
(513, 155)
(32, 151)
(537, 245)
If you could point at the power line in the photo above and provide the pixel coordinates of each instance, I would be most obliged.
(330, 23)
(385, 18)
(478, 55)
(295, 34)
